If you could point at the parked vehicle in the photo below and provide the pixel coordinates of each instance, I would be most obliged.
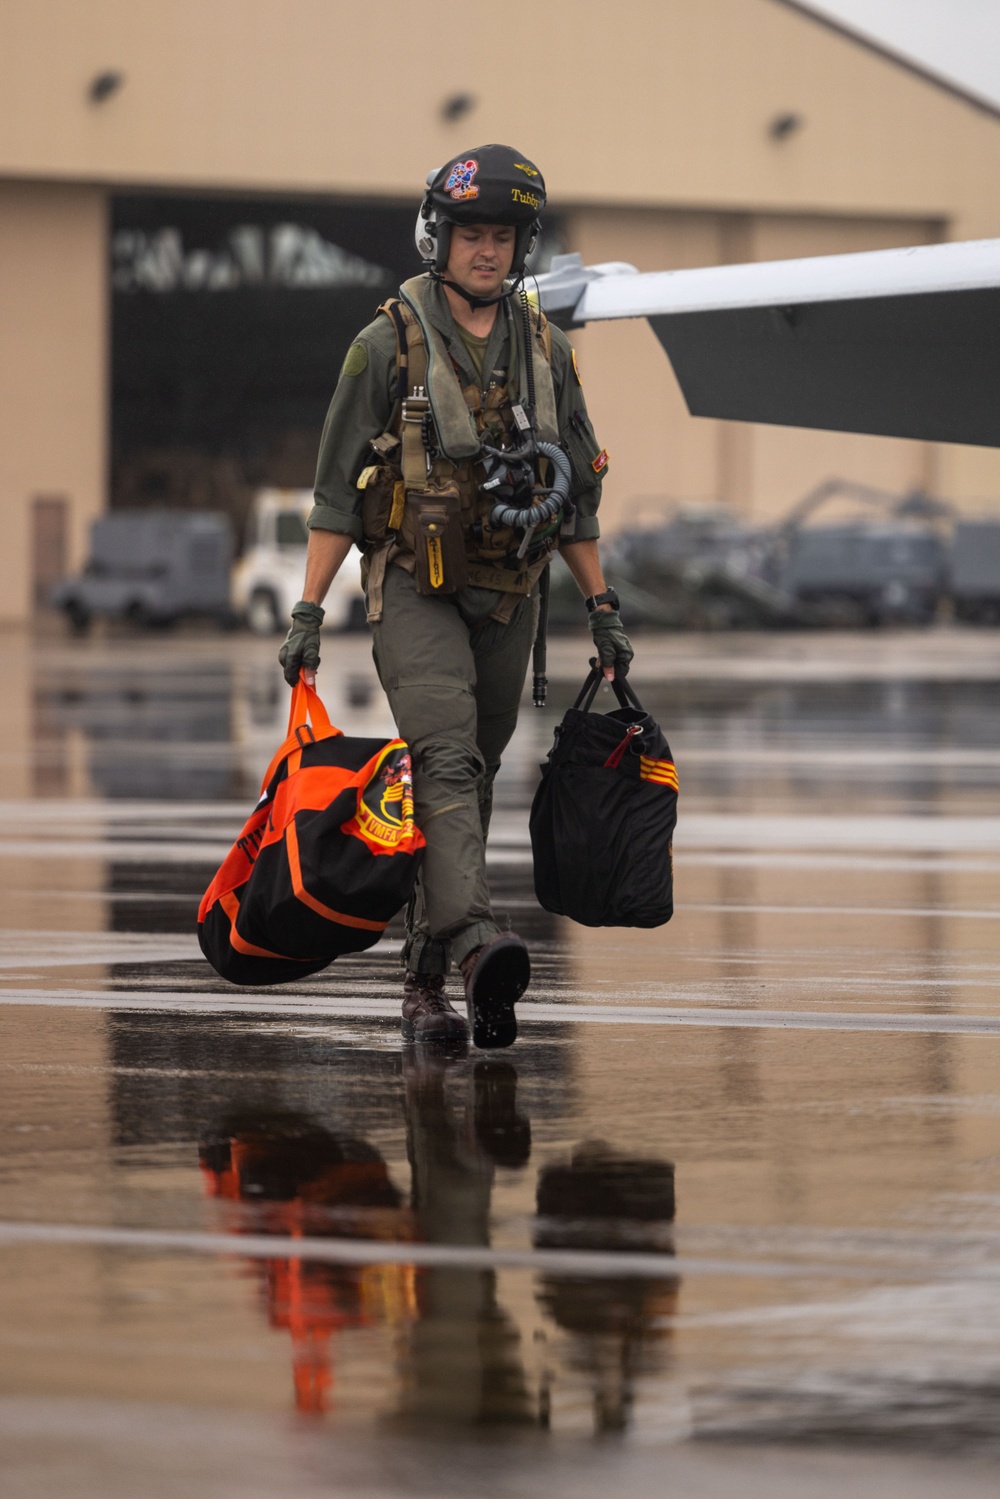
(269, 578)
(150, 567)
(866, 573)
(974, 571)
(702, 568)
(887, 569)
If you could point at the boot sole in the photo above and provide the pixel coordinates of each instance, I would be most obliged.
(454, 1036)
(498, 980)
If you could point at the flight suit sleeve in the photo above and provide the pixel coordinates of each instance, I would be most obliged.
(588, 459)
(360, 410)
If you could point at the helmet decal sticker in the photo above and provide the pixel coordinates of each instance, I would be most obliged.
(460, 184)
(522, 166)
(522, 197)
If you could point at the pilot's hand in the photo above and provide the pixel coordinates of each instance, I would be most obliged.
(300, 651)
(613, 647)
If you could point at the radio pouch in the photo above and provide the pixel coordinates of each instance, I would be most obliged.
(434, 523)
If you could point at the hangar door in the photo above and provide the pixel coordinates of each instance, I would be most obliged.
(230, 321)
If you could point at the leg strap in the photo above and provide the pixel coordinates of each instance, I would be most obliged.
(377, 564)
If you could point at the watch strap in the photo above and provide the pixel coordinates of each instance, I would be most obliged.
(608, 597)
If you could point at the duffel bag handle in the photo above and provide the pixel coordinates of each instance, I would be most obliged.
(306, 705)
(623, 692)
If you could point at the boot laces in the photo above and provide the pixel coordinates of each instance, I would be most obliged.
(430, 990)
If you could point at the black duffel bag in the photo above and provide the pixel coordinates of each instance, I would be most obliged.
(603, 817)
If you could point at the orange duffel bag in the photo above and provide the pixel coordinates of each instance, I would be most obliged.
(326, 860)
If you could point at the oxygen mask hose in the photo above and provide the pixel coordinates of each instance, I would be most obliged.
(545, 509)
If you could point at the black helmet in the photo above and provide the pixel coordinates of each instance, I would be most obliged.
(488, 185)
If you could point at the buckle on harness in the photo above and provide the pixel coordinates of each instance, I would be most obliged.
(416, 406)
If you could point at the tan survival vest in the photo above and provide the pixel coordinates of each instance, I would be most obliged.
(423, 508)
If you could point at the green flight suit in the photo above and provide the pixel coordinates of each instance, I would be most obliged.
(453, 676)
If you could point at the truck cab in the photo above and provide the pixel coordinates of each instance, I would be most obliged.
(269, 577)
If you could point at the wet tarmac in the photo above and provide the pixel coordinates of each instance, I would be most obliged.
(726, 1220)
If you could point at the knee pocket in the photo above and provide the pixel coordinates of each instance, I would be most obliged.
(433, 710)
(447, 763)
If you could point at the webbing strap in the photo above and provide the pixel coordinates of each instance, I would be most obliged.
(376, 580)
(623, 692)
(306, 704)
(393, 310)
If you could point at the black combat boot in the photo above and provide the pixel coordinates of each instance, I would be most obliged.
(427, 1015)
(496, 975)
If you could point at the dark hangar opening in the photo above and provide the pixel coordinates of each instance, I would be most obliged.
(230, 321)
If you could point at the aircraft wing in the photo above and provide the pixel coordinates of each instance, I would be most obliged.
(900, 343)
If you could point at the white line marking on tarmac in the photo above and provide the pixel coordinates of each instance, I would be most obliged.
(705, 830)
(880, 911)
(577, 1262)
(529, 1012)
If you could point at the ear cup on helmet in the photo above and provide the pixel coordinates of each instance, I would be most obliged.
(524, 242)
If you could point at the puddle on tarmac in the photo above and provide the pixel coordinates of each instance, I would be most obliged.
(793, 1230)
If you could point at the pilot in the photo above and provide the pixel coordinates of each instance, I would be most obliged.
(458, 455)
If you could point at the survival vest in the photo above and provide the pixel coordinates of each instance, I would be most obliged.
(423, 507)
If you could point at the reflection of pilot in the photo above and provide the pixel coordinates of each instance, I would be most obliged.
(462, 1359)
(460, 1354)
(295, 1179)
(605, 1201)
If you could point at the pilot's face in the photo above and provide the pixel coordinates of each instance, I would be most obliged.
(480, 257)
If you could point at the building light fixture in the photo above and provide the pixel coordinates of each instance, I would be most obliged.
(784, 125)
(104, 84)
(457, 106)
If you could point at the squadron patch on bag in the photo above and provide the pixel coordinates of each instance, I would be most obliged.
(356, 360)
(460, 184)
(600, 463)
(385, 807)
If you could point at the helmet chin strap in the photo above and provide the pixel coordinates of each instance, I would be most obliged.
(476, 302)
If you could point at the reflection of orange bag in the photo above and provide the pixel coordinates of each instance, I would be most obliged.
(326, 859)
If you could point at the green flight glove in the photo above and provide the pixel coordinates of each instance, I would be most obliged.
(301, 647)
(613, 648)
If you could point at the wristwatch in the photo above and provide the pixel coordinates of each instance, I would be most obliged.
(608, 597)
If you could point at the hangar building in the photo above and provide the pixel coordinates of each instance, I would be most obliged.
(200, 200)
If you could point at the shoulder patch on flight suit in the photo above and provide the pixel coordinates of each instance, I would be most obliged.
(356, 360)
(600, 463)
(576, 367)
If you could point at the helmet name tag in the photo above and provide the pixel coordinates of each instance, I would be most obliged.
(531, 200)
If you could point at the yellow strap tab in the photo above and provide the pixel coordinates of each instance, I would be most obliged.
(367, 474)
(398, 505)
(435, 562)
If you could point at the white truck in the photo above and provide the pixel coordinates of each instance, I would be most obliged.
(268, 578)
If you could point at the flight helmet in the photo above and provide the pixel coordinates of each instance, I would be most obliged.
(487, 185)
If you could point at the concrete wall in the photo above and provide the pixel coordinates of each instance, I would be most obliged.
(53, 377)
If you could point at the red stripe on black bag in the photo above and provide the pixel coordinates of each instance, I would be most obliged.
(602, 821)
(327, 858)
